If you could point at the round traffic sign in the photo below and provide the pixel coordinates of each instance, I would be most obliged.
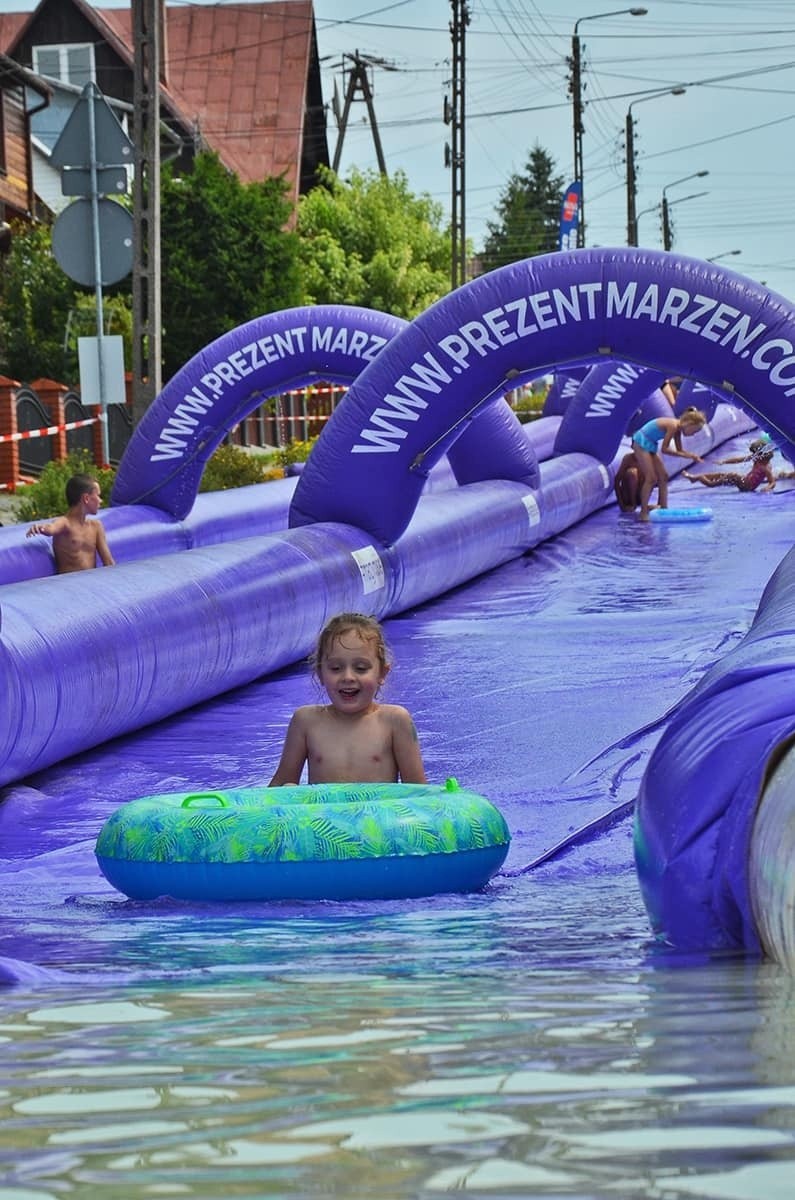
(73, 241)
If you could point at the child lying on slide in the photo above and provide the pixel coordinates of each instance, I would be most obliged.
(760, 453)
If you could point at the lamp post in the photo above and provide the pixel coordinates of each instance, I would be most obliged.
(726, 254)
(667, 227)
(632, 186)
(666, 223)
(575, 91)
(663, 210)
(642, 213)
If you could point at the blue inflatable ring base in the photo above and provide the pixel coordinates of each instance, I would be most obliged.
(361, 879)
(322, 842)
(673, 515)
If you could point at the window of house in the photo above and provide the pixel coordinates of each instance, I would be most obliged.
(71, 64)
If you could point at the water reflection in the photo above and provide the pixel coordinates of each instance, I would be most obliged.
(515, 1061)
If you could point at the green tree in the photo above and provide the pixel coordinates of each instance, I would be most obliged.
(227, 256)
(368, 240)
(36, 298)
(528, 214)
(43, 312)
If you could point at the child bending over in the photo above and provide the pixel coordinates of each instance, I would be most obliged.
(627, 483)
(76, 542)
(661, 436)
(353, 738)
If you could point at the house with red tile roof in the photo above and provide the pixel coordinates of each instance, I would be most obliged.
(241, 79)
(22, 95)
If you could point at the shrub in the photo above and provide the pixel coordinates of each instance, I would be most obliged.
(46, 498)
(231, 467)
(294, 452)
(529, 404)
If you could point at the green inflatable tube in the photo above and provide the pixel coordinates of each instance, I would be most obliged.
(315, 842)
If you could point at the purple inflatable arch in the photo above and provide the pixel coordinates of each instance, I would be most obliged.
(228, 379)
(563, 389)
(700, 396)
(675, 314)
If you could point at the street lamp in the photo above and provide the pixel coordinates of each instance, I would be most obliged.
(575, 91)
(663, 210)
(632, 187)
(643, 211)
(666, 224)
(726, 254)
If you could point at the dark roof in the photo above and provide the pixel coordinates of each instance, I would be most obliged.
(10, 25)
(237, 74)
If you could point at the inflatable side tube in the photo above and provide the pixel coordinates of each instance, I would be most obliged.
(770, 870)
(699, 795)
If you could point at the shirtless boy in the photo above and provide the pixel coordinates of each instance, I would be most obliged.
(76, 541)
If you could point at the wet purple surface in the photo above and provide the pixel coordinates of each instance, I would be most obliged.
(516, 681)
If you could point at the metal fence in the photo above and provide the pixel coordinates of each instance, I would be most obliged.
(295, 416)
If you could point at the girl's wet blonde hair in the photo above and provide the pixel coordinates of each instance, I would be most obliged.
(693, 416)
(368, 630)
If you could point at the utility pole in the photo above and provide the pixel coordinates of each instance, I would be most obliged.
(575, 89)
(632, 166)
(358, 81)
(667, 229)
(455, 157)
(147, 19)
(667, 232)
(632, 184)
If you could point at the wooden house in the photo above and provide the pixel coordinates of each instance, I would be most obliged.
(21, 96)
(242, 79)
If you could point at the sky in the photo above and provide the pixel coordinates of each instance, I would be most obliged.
(735, 119)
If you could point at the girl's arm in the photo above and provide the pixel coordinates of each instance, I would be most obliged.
(294, 752)
(406, 748)
(673, 434)
(771, 479)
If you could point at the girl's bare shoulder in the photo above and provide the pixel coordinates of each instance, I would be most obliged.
(394, 712)
(306, 713)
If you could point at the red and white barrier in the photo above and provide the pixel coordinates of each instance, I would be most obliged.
(50, 430)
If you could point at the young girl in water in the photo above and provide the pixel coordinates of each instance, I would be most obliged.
(646, 442)
(760, 454)
(352, 739)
